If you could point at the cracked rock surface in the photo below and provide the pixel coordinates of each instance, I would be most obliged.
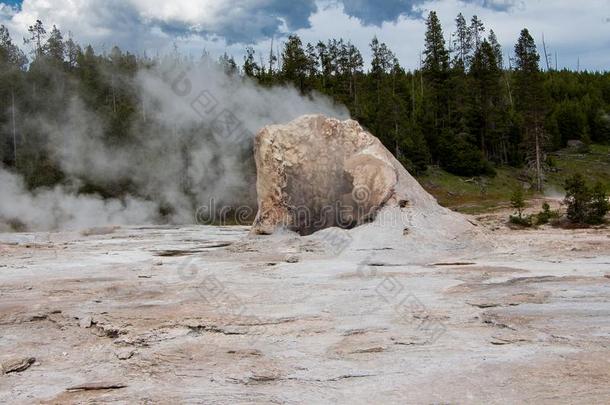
(228, 318)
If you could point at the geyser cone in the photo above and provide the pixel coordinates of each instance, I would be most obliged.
(318, 172)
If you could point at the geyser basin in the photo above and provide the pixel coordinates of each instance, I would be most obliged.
(318, 172)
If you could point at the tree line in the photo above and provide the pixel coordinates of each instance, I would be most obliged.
(468, 108)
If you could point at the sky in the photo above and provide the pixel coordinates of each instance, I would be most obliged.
(578, 32)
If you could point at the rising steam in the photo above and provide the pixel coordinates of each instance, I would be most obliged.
(191, 146)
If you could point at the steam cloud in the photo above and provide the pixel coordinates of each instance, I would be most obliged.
(194, 148)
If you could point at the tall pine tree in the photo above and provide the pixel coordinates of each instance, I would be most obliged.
(436, 74)
(531, 102)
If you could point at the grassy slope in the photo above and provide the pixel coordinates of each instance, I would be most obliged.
(476, 195)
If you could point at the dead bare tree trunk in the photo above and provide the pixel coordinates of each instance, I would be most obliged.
(355, 89)
(546, 55)
(421, 77)
(538, 166)
(538, 151)
(14, 126)
(413, 97)
(378, 90)
(113, 96)
(271, 56)
(355, 95)
(261, 71)
(510, 93)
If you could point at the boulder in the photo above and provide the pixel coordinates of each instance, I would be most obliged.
(16, 365)
(318, 172)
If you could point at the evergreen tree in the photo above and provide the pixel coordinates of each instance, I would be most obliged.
(37, 37)
(11, 57)
(462, 43)
(324, 62)
(54, 48)
(72, 50)
(381, 63)
(497, 48)
(381, 108)
(382, 58)
(250, 68)
(529, 92)
(228, 64)
(477, 29)
(353, 67)
(294, 62)
(436, 73)
(517, 202)
(436, 59)
(312, 60)
(486, 75)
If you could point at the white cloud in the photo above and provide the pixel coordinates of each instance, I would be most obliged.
(572, 29)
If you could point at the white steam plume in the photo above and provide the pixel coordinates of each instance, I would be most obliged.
(59, 207)
(191, 146)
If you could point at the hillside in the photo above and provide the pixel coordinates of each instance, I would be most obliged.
(479, 194)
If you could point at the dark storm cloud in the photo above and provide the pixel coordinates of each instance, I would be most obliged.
(377, 12)
(380, 11)
(254, 20)
(498, 5)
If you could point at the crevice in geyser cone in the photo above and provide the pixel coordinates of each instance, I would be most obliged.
(323, 202)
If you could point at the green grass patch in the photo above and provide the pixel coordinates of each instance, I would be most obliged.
(474, 195)
(594, 166)
(471, 194)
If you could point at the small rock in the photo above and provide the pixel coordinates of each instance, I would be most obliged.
(507, 338)
(256, 377)
(106, 230)
(264, 376)
(16, 365)
(375, 349)
(483, 304)
(292, 259)
(125, 353)
(85, 322)
(246, 352)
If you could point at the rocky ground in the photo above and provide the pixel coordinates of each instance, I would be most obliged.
(212, 315)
